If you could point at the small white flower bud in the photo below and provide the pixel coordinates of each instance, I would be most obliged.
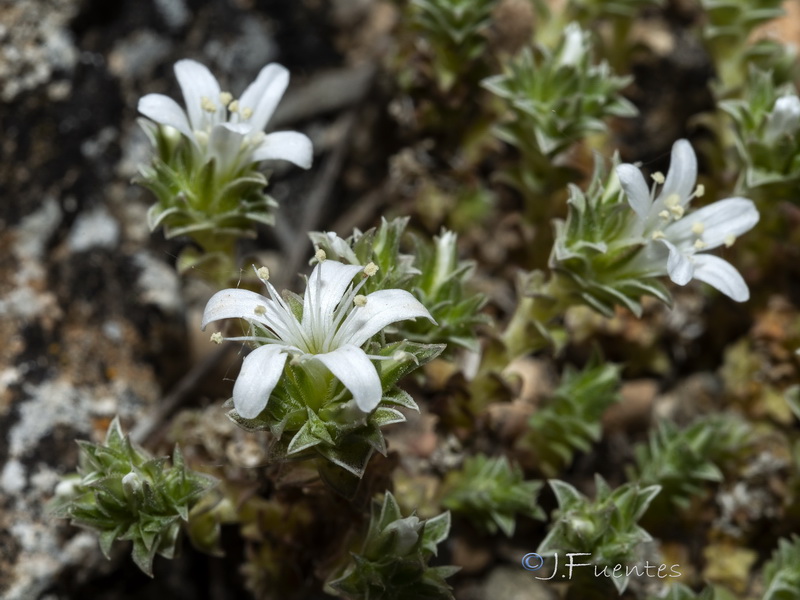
(67, 487)
(131, 485)
(784, 118)
(407, 534)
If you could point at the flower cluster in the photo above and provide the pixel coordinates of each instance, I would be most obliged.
(314, 374)
(675, 239)
(205, 173)
(227, 129)
(433, 273)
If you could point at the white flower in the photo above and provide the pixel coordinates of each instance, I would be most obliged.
(336, 322)
(227, 129)
(784, 118)
(675, 238)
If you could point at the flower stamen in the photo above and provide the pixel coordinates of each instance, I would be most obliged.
(208, 105)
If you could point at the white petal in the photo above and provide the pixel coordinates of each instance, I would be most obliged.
(383, 308)
(722, 275)
(635, 188)
(196, 83)
(263, 95)
(353, 368)
(682, 174)
(261, 370)
(679, 265)
(234, 304)
(326, 286)
(720, 220)
(164, 110)
(286, 145)
(225, 143)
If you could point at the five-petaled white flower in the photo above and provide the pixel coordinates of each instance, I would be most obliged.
(227, 129)
(336, 322)
(675, 238)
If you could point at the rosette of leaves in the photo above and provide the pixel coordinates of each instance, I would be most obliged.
(455, 33)
(309, 422)
(782, 572)
(392, 563)
(433, 273)
(727, 27)
(594, 250)
(491, 492)
(607, 527)
(194, 198)
(767, 126)
(684, 461)
(554, 98)
(569, 421)
(122, 493)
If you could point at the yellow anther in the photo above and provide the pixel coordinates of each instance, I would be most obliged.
(360, 300)
(234, 106)
(658, 177)
(207, 104)
(320, 255)
(225, 98)
(216, 337)
(658, 235)
(672, 200)
(677, 210)
(700, 191)
(247, 112)
(260, 309)
(699, 244)
(729, 240)
(263, 273)
(370, 269)
(698, 228)
(664, 214)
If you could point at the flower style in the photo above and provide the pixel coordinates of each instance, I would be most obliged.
(336, 322)
(226, 129)
(679, 237)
